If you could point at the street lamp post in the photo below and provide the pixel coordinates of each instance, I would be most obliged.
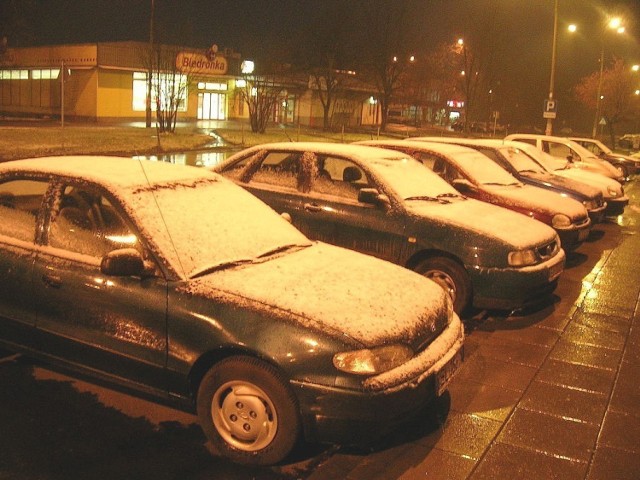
(549, 129)
(615, 24)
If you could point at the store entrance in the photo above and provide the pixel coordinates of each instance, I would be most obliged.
(212, 106)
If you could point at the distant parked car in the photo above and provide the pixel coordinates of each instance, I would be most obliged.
(612, 191)
(474, 175)
(174, 282)
(626, 163)
(575, 153)
(509, 156)
(386, 204)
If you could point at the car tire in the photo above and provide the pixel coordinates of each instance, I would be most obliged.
(248, 412)
(452, 277)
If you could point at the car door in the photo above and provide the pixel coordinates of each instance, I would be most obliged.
(115, 325)
(332, 205)
(320, 194)
(20, 203)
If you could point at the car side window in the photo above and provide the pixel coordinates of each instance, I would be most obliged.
(558, 149)
(426, 159)
(339, 177)
(281, 169)
(86, 222)
(20, 201)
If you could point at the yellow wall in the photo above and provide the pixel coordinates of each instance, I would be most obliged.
(115, 96)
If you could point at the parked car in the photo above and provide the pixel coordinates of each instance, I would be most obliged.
(575, 153)
(509, 156)
(612, 191)
(227, 310)
(475, 175)
(626, 163)
(386, 204)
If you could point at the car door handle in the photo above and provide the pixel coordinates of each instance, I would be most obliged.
(54, 281)
(312, 207)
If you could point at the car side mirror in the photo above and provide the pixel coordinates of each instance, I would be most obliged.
(124, 262)
(463, 185)
(570, 158)
(372, 197)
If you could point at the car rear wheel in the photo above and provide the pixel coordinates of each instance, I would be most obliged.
(451, 276)
(248, 412)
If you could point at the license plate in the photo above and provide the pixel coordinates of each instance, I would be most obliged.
(446, 373)
(555, 271)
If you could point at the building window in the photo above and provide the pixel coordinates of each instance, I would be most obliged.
(167, 83)
(212, 86)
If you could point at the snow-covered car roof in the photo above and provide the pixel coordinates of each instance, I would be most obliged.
(359, 152)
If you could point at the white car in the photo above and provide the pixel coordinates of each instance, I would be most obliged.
(612, 191)
(626, 163)
(567, 149)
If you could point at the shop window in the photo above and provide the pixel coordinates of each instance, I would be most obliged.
(167, 84)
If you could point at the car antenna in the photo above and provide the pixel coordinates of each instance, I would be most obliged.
(153, 194)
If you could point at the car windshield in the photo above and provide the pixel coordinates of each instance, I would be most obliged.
(211, 224)
(411, 180)
(520, 161)
(482, 169)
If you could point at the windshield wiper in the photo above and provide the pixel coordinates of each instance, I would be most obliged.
(451, 195)
(423, 197)
(280, 249)
(502, 184)
(220, 266)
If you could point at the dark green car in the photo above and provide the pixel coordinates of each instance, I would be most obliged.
(386, 204)
(174, 282)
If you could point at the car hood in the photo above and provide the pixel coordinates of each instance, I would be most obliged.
(338, 291)
(536, 199)
(485, 220)
(573, 188)
(621, 156)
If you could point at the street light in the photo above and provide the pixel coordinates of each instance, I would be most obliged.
(613, 24)
(551, 115)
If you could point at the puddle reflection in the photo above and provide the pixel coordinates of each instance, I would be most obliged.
(208, 158)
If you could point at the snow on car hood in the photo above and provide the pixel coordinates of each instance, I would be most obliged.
(538, 199)
(335, 290)
(487, 220)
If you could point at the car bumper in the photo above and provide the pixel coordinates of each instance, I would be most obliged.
(597, 214)
(573, 237)
(616, 206)
(511, 288)
(357, 417)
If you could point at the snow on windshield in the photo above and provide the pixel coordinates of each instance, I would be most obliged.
(520, 161)
(207, 223)
(409, 178)
(482, 169)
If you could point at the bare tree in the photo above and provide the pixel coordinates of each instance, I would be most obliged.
(617, 91)
(260, 93)
(387, 55)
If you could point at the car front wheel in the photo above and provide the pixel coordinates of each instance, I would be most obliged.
(247, 411)
(451, 276)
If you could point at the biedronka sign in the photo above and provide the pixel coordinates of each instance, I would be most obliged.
(200, 64)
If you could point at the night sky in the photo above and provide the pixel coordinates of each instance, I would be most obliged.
(257, 27)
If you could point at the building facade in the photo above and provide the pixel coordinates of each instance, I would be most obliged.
(109, 82)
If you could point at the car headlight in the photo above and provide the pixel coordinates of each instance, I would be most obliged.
(560, 220)
(590, 204)
(522, 258)
(612, 192)
(371, 361)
